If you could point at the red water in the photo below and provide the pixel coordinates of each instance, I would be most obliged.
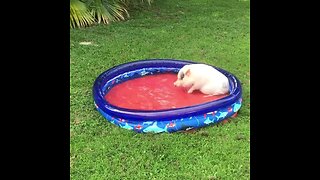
(155, 92)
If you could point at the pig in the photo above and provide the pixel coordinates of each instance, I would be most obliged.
(204, 78)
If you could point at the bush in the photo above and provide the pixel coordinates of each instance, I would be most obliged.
(88, 12)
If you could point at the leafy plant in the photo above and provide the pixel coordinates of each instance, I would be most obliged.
(106, 11)
(87, 12)
(79, 14)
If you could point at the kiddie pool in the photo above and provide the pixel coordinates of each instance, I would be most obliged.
(168, 120)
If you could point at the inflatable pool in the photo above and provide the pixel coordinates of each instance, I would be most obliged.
(164, 118)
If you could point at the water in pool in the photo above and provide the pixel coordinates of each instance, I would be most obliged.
(155, 92)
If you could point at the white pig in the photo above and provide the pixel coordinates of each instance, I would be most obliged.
(204, 78)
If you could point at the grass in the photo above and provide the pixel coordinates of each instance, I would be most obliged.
(215, 32)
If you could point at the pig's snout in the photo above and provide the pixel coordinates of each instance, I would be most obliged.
(175, 83)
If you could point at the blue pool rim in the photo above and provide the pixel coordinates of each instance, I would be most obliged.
(137, 117)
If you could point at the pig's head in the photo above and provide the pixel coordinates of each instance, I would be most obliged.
(184, 77)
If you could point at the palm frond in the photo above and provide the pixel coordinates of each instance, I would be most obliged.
(86, 12)
(79, 14)
(108, 11)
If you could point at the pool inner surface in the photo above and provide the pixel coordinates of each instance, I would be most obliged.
(155, 92)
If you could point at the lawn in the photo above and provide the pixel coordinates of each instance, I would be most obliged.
(216, 32)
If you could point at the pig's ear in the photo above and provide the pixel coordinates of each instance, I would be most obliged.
(188, 73)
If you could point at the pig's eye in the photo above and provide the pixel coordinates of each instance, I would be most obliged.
(182, 76)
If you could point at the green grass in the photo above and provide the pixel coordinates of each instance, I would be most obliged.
(215, 32)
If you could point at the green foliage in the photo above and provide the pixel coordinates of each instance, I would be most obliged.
(79, 14)
(87, 12)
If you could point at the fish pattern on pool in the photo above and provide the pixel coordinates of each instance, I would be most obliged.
(175, 124)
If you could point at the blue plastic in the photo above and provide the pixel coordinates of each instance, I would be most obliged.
(169, 120)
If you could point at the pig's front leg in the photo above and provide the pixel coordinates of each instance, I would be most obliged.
(191, 89)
